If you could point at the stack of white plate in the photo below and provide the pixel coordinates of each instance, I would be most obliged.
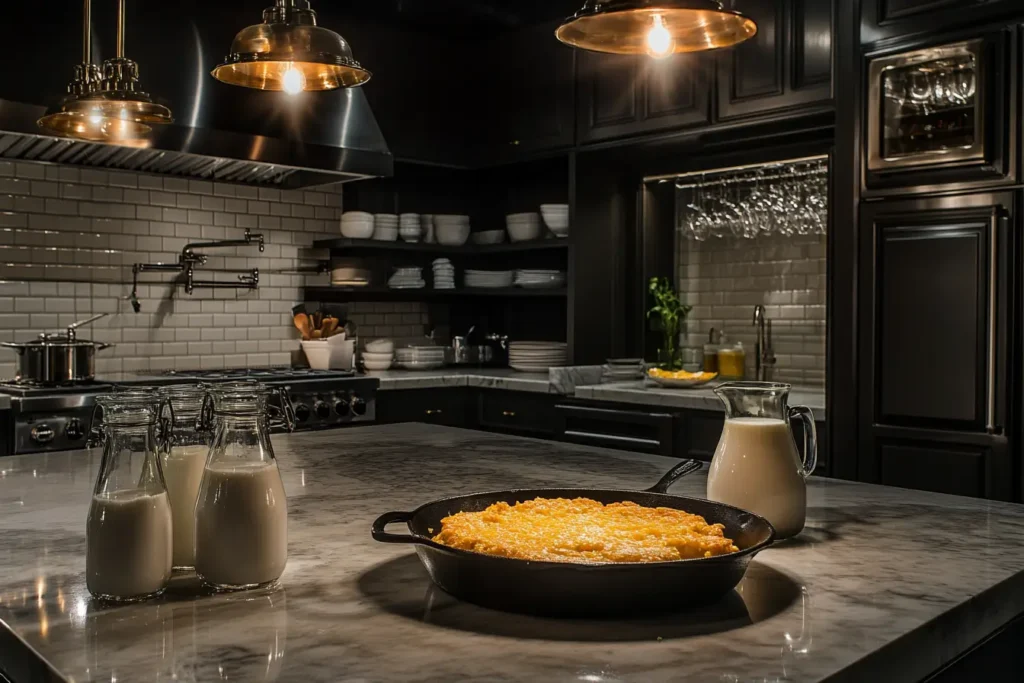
(409, 227)
(622, 370)
(489, 279)
(420, 357)
(523, 227)
(444, 274)
(556, 217)
(535, 356)
(385, 227)
(407, 278)
(539, 279)
(357, 225)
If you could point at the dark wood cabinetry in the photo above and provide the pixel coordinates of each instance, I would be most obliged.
(450, 407)
(787, 64)
(884, 19)
(623, 96)
(517, 412)
(934, 383)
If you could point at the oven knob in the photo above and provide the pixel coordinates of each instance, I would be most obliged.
(342, 407)
(301, 412)
(358, 406)
(322, 410)
(42, 433)
(74, 429)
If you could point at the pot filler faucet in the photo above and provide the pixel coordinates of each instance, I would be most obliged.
(764, 355)
(190, 258)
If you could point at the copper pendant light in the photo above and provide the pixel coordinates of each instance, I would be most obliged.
(288, 52)
(658, 28)
(107, 107)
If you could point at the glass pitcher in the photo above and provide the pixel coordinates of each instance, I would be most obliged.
(756, 465)
(183, 460)
(129, 527)
(241, 535)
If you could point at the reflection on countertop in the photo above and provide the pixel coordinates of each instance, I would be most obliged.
(562, 381)
(884, 584)
(646, 393)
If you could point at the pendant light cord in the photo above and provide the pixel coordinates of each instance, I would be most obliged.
(120, 28)
(87, 36)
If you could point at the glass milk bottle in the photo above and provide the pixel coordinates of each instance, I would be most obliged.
(129, 527)
(184, 459)
(242, 514)
(757, 466)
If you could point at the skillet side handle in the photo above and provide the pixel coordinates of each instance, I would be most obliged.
(379, 533)
(675, 474)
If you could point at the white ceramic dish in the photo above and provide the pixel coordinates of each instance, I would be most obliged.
(381, 346)
(384, 234)
(378, 357)
(318, 353)
(489, 237)
(451, 234)
(523, 232)
(376, 365)
(357, 230)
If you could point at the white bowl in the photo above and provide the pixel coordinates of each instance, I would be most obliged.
(378, 357)
(450, 218)
(381, 346)
(523, 232)
(357, 230)
(451, 235)
(488, 237)
(377, 365)
(357, 215)
(522, 217)
(554, 208)
(385, 234)
(318, 353)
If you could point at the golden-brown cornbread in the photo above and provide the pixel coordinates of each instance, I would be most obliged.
(584, 530)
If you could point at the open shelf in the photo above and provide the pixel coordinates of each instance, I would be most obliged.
(342, 244)
(330, 294)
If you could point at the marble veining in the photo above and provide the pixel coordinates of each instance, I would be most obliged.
(646, 393)
(884, 584)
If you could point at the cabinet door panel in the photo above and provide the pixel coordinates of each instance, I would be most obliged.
(812, 43)
(676, 92)
(932, 291)
(934, 467)
(518, 412)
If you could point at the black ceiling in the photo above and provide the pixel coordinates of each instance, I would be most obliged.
(461, 16)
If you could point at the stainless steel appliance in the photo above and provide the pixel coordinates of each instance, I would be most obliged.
(46, 419)
(55, 359)
(929, 106)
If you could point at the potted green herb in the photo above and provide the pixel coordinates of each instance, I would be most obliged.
(670, 312)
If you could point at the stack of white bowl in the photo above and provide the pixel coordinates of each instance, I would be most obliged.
(556, 217)
(420, 357)
(488, 237)
(535, 356)
(407, 278)
(427, 227)
(539, 279)
(379, 355)
(523, 227)
(385, 227)
(357, 225)
(444, 274)
(409, 227)
(451, 230)
(489, 279)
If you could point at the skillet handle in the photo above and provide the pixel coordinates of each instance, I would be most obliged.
(379, 534)
(675, 474)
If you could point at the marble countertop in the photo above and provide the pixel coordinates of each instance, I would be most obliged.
(556, 381)
(646, 393)
(884, 584)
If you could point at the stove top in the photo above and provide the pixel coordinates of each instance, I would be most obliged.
(270, 373)
(28, 389)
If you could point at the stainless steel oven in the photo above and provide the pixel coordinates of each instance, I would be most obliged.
(928, 107)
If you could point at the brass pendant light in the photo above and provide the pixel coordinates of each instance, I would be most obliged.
(658, 28)
(288, 52)
(110, 107)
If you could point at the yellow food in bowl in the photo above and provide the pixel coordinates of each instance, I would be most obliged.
(584, 531)
(682, 374)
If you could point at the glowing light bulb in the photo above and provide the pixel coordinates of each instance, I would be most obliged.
(294, 82)
(659, 40)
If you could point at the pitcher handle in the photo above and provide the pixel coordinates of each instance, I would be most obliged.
(810, 453)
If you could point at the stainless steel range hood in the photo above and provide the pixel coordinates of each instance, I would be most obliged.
(222, 132)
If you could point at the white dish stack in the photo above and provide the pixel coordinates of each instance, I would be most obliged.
(489, 279)
(536, 356)
(622, 370)
(407, 278)
(444, 274)
(427, 227)
(556, 217)
(539, 279)
(357, 225)
(409, 227)
(523, 227)
(385, 227)
(420, 357)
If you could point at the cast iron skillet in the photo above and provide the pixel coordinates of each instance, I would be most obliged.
(566, 589)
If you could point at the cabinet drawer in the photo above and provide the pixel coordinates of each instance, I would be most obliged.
(514, 411)
(627, 430)
(445, 407)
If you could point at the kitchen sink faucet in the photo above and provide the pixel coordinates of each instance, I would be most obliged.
(764, 355)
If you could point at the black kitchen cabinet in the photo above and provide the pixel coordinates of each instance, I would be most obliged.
(633, 428)
(885, 19)
(622, 96)
(531, 103)
(517, 412)
(933, 317)
(788, 64)
(450, 407)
